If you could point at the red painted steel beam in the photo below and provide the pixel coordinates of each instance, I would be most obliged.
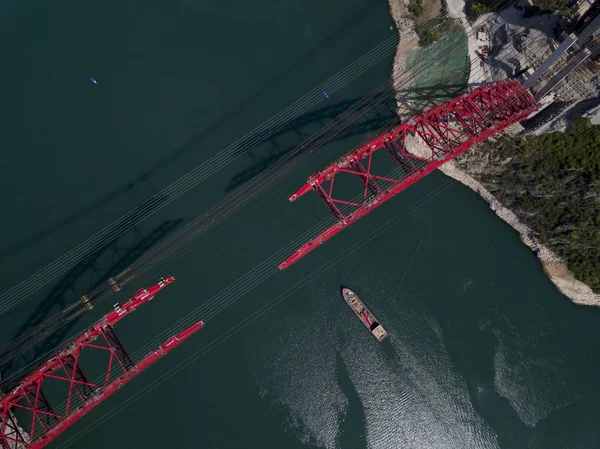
(80, 395)
(110, 389)
(448, 130)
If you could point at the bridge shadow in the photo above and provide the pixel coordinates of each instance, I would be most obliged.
(377, 113)
(55, 317)
(171, 157)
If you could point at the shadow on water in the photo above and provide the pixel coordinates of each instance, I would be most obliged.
(171, 157)
(272, 149)
(353, 429)
(378, 113)
(389, 350)
(49, 325)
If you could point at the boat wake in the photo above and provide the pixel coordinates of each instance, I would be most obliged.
(328, 372)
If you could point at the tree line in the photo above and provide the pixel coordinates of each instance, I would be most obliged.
(552, 183)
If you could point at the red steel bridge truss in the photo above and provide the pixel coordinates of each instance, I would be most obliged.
(58, 393)
(40, 419)
(447, 130)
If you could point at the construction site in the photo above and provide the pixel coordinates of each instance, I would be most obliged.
(506, 72)
(513, 45)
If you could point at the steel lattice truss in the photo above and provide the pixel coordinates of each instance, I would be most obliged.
(62, 376)
(447, 130)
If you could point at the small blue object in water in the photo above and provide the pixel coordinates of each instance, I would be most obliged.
(93, 80)
(325, 94)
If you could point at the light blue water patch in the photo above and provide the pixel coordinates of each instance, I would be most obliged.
(443, 76)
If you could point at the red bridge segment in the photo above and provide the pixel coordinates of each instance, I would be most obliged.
(447, 131)
(39, 421)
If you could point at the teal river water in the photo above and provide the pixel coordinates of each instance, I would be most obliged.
(484, 352)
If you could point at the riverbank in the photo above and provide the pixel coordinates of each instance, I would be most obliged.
(409, 40)
(557, 271)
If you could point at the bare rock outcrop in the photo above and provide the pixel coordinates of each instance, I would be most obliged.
(557, 271)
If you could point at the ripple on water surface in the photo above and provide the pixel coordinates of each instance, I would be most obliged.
(514, 367)
(408, 394)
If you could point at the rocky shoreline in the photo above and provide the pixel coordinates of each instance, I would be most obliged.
(558, 273)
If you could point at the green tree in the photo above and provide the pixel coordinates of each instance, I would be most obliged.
(479, 9)
(552, 183)
(555, 6)
(415, 7)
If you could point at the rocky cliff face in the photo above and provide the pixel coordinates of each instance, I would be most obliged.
(482, 170)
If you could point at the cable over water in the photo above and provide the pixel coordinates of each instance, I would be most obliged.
(243, 285)
(58, 267)
(191, 179)
(227, 297)
(251, 318)
(177, 243)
